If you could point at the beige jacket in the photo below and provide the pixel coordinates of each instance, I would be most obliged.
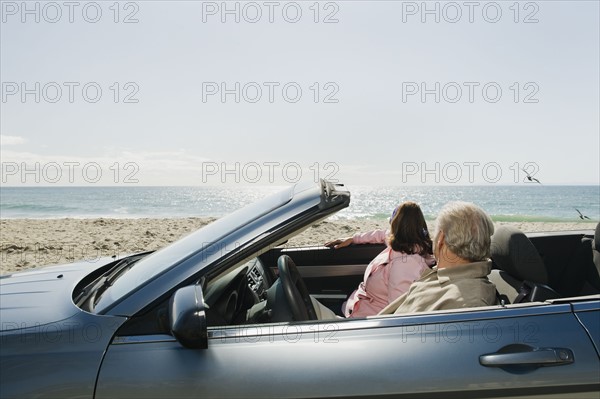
(455, 287)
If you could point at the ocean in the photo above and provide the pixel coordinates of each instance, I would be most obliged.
(530, 203)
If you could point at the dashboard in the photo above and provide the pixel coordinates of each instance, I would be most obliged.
(231, 296)
(258, 280)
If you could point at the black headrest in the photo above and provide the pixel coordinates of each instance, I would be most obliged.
(597, 238)
(515, 254)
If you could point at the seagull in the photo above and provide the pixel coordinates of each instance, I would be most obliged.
(581, 215)
(531, 179)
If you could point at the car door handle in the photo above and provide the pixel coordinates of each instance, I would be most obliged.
(525, 355)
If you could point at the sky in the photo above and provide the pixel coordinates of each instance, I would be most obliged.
(271, 92)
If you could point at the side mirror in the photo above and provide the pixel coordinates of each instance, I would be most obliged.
(187, 317)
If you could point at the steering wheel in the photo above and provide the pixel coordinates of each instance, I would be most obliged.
(295, 290)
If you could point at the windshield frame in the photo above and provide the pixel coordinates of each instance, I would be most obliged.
(160, 262)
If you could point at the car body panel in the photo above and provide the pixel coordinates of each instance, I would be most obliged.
(375, 357)
(55, 360)
(45, 337)
(30, 298)
(588, 313)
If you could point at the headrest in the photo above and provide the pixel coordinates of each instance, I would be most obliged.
(597, 238)
(515, 254)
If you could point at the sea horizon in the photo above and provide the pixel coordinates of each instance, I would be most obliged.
(531, 203)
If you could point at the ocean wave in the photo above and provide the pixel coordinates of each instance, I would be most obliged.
(504, 204)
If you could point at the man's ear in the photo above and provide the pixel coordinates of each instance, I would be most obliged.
(440, 239)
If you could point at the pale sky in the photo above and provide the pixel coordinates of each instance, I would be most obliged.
(342, 89)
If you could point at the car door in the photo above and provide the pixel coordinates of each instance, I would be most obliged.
(535, 351)
(588, 312)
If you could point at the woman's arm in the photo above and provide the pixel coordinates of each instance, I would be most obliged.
(371, 237)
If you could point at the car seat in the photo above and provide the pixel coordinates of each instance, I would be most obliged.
(582, 274)
(519, 272)
(596, 248)
(592, 284)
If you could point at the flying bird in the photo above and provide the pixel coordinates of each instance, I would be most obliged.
(530, 178)
(581, 215)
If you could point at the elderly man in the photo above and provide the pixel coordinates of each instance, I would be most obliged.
(461, 246)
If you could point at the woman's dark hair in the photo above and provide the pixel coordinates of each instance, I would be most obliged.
(409, 232)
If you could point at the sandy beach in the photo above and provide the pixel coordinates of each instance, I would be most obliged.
(33, 243)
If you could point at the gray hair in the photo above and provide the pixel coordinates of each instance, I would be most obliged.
(467, 230)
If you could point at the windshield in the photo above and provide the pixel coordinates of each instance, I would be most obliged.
(162, 260)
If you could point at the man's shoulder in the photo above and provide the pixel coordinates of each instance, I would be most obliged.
(477, 291)
(466, 272)
(432, 293)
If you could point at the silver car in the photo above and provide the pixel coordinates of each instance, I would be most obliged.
(225, 312)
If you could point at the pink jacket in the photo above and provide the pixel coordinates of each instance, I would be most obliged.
(387, 276)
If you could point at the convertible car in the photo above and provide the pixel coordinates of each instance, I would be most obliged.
(226, 312)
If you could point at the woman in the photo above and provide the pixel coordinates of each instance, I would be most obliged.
(407, 254)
